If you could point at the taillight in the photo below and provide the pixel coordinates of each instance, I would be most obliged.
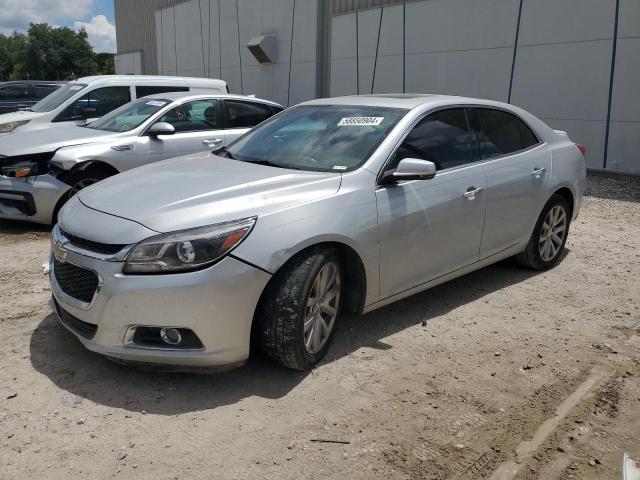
(583, 150)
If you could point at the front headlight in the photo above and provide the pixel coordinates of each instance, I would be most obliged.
(11, 126)
(185, 250)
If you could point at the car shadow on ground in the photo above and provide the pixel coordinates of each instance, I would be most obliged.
(59, 355)
(10, 228)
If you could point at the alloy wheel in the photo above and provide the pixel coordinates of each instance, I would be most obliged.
(552, 233)
(322, 308)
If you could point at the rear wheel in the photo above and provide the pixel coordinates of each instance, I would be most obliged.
(78, 181)
(299, 312)
(547, 242)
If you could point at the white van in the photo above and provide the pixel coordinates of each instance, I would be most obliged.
(86, 99)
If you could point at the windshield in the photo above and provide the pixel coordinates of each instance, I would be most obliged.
(317, 137)
(129, 116)
(57, 98)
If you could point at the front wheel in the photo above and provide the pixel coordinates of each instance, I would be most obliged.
(78, 181)
(300, 309)
(547, 242)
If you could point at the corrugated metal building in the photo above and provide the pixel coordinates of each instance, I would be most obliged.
(573, 63)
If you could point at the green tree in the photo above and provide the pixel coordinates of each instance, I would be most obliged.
(50, 53)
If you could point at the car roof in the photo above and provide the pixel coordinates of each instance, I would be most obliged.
(149, 78)
(173, 96)
(405, 101)
(37, 82)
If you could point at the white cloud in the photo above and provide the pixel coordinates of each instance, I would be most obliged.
(17, 14)
(102, 34)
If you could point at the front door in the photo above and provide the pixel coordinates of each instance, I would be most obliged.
(197, 129)
(428, 228)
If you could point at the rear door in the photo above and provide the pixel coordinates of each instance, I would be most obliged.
(429, 228)
(517, 166)
(242, 115)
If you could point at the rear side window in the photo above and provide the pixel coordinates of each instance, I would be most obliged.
(246, 114)
(502, 133)
(143, 91)
(14, 92)
(443, 138)
(95, 104)
(41, 91)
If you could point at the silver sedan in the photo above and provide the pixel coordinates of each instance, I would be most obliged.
(41, 169)
(334, 206)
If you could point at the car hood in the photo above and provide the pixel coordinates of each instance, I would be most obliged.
(19, 116)
(49, 139)
(192, 191)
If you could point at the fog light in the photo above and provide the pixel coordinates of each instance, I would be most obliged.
(171, 336)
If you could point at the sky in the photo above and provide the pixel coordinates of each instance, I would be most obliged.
(96, 16)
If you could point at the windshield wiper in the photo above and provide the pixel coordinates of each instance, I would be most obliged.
(223, 151)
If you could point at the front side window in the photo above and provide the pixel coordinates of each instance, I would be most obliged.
(443, 138)
(246, 114)
(129, 116)
(320, 138)
(193, 116)
(57, 98)
(95, 104)
(14, 93)
(502, 133)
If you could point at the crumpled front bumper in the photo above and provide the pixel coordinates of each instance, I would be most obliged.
(31, 198)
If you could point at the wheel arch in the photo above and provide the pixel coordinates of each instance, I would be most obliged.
(355, 273)
(93, 164)
(79, 168)
(568, 195)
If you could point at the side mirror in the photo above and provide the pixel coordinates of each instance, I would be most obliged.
(410, 169)
(161, 128)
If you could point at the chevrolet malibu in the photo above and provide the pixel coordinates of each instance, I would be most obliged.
(335, 206)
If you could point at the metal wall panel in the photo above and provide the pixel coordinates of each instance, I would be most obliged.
(553, 57)
(136, 29)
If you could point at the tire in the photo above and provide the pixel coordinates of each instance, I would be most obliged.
(544, 251)
(78, 181)
(282, 333)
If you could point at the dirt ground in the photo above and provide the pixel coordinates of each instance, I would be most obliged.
(505, 373)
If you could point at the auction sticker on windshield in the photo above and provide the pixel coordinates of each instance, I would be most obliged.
(156, 103)
(360, 121)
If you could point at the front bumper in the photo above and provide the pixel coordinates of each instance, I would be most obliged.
(32, 198)
(217, 303)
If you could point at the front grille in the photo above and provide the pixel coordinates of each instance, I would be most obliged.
(77, 282)
(91, 246)
(84, 329)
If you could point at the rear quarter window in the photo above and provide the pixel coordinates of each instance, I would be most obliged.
(145, 90)
(502, 133)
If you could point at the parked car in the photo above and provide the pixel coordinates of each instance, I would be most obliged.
(88, 98)
(41, 169)
(337, 205)
(18, 95)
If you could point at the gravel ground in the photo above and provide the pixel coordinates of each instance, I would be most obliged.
(532, 375)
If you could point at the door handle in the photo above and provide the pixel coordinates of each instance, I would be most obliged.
(214, 141)
(537, 172)
(471, 193)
